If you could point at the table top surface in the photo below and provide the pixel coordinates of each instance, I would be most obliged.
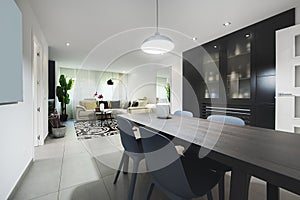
(103, 112)
(271, 155)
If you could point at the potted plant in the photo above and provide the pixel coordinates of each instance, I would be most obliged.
(63, 96)
(168, 91)
(58, 129)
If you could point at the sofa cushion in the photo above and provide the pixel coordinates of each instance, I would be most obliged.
(115, 104)
(88, 104)
(135, 104)
(142, 102)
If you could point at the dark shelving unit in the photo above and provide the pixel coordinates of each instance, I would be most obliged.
(245, 62)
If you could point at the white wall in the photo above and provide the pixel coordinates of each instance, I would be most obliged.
(16, 121)
(298, 15)
(142, 82)
(176, 85)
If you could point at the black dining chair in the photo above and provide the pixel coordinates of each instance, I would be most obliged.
(175, 175)
(218, 166)
(192, 152)
(132, 149)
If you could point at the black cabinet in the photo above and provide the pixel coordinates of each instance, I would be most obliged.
(235, 74)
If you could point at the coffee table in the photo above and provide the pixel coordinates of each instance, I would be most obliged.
(103, 116)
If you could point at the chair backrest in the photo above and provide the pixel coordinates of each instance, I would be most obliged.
(226, 119)
(164, 163)
(128, 139)
(183, 113)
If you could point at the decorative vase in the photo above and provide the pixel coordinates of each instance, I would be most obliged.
(59, 132)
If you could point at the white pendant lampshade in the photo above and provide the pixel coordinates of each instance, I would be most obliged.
(157, 44)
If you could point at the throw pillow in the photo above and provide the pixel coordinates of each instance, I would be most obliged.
(142, 103)
(135, 104)
(126, 104)
(115, 104)
(89, 105)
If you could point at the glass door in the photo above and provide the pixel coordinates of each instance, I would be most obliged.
(211, 73)
(239, 67)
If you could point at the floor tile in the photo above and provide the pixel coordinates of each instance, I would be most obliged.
(53, 150)
(120, 189)
(115, 139)
(104, 169)
(78, 169)
(43, 178)
(52, 196)
(89, 191)
(98, 143)
(69, 168)
(76, 147)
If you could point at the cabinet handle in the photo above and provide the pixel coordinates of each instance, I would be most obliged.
(285, 95)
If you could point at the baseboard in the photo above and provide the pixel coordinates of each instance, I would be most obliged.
(14, 190)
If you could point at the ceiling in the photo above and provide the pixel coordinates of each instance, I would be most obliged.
(107, 34)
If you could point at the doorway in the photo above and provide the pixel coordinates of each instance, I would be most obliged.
(37, 93)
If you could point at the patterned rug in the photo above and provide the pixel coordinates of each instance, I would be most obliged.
(95, 129)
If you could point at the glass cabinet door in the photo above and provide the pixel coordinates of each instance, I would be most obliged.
(239, 67)
(210, 67)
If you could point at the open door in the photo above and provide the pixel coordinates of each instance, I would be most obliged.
(288, 79)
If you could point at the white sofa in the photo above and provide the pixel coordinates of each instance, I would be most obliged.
(86, 109)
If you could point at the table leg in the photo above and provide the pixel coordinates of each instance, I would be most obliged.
(272, 192)
(239, 186)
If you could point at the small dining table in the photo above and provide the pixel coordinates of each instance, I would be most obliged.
(272, 156)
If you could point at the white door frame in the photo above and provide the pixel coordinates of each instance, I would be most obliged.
(37, 83)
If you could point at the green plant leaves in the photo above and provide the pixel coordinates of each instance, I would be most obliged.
(168, 91)
(62, 91)
(70, 84)
(59, 93)
(62, 81)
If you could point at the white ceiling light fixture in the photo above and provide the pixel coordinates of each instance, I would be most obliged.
(157, 44)
(227, 24)
(68, 44)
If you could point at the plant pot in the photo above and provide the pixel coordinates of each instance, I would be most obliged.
(63, 117)
(59, 132)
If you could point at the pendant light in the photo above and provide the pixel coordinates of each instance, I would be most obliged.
(157, 44)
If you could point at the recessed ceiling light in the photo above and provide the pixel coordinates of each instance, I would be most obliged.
(227, 24)
(215, 46)
(68, 44)
(194, 38)
(247, 35)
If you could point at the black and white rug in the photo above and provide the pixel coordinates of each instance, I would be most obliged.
(95, 129)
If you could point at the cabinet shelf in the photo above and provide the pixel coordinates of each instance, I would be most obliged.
(239, 79)
(239, 55)
(211, 62)
(212, 82)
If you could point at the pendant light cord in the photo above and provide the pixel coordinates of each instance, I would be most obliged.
(157, 17)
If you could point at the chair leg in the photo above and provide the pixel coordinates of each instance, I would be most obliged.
(209, 195)
(221, 185)
(120, 167)
(149, 192)
(133, 179)
(126, 163)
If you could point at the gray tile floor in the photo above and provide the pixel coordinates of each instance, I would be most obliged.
(67, 168)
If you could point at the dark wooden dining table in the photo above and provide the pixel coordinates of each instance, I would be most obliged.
(272, 156)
